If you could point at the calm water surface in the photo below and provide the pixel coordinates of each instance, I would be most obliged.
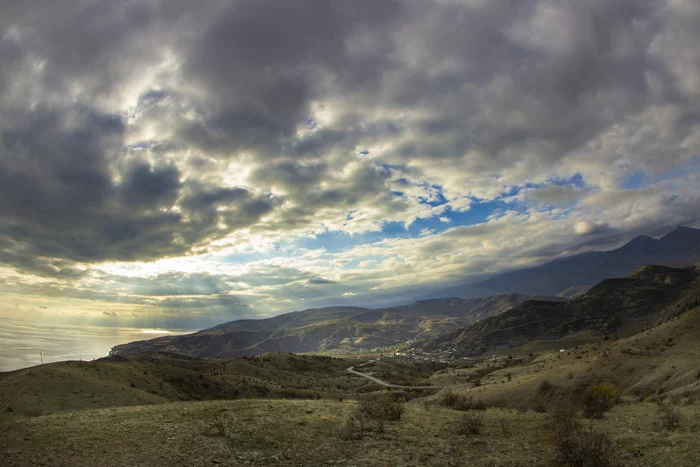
(23, 343)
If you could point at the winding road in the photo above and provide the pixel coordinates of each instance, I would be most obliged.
(384, 383)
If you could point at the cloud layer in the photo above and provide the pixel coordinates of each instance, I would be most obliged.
(249, 157)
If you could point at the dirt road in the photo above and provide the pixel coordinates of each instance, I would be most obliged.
(386, 384)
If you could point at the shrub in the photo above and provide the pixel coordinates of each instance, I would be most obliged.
(447, 398)
(544, 396)
(383, 407)
(459, 401)
(370, 414)
(470, 425)
(575, 446)
(670, 416)
(600, 398)
(358, 424)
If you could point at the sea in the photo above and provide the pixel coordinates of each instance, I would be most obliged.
(24, 344)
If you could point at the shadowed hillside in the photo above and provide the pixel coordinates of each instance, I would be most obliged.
(334, 329)
(159, 378)
(614, 306)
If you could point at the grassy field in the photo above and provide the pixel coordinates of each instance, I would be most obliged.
(308, 433)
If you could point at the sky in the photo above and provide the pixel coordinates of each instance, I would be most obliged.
(172, 165)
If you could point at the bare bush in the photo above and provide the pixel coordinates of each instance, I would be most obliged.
(370, 414)
(576, 446)
(383, 407)
(599, 398)
(670, 416)
(461, 402)
(470, 425)
(544, 396)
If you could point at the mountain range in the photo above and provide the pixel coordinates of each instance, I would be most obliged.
(650, 296)
(474, 312)
(332, 329)
(571, 275)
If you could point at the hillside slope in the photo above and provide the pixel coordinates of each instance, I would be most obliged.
(158, 378)
(575, 273)
(614, 306)
(334, 329)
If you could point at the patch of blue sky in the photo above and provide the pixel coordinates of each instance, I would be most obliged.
(479, 212)
(638, 179)
(575, 180)
(692, 165)
(339, 241)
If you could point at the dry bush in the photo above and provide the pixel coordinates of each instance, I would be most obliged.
(670, 416)
(370, 414)
(599, 398)
(456, 401)
(383, 407)
(576, 446)
(358, 424)
(448, 398)
(544, 396)
(470, 425)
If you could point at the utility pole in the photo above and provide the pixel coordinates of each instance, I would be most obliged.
(41, 355)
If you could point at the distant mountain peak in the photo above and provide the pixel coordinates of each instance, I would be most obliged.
(682, 232)
(682, 229)
(680, 247)
(641, 240)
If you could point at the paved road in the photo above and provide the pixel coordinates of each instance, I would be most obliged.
(384, 383)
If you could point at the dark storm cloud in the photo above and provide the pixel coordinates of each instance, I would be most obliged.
(146, 186)
(119, 118)
(60, 201)
(263, 61)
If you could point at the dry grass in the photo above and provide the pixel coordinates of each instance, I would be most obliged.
(158, 379)
(299, 433)
(661, 361)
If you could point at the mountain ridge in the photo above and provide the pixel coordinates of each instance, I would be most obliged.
(679, 247)
(651, 295)
(331, 329)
